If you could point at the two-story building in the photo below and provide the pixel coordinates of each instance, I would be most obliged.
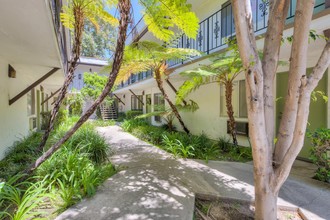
(33, 62)
(217, 24)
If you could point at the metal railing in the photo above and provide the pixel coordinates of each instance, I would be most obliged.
(215, 29)
(56, 7)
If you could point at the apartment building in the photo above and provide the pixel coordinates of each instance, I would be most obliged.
(33, 64)
(140, 91)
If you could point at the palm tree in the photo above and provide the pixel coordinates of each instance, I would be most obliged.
(73, 17)
(146, 55)
(223, 70)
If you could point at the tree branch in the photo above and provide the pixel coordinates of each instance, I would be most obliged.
(254, 88)
(318, 71)
(298, 65)
(277, 17)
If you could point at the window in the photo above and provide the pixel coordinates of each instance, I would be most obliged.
(238, 100)
(159, 105)
(31, 100)
(135, 103)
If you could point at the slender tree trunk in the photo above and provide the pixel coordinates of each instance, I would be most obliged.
(124, 8)
(272, 166)
(76, 50)
(159, 81)
(230, 110)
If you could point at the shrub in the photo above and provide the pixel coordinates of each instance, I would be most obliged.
(121, 116)
(320, 153)
(102, 123)
(61, 117)
(20, 201)
(132, 114)
(128, 125)
(20, 155)
(45, 117)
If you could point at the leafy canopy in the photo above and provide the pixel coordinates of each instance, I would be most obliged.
(91, 10)
(98, 43)
(145, 55)
(93, 85)
(223, 68)
(163, 16)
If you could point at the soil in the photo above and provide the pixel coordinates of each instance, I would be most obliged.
(228, 209)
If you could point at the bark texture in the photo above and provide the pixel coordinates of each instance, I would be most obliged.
(272, 163)
(75, 54)
(159, 81)
(230, 110)
(124, 8)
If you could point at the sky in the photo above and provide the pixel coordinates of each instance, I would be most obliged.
(136, 11)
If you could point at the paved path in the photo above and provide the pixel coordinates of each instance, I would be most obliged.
(152, 184)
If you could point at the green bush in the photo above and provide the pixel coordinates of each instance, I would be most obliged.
(21, 201)
(129, 125)
(102, 123)
(73, 172)
(45, 117)
(183, 145)
(132, 114)
(320, 153)
(61, 117)
(20, 155)
(121, 116)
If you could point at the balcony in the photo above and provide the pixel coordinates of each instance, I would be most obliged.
(56, 6)
(215, 29)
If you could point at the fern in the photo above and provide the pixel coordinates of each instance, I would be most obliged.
(163, 16)
(146, 55)
(91, 10)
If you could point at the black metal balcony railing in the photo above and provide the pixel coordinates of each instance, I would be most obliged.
(56, 6)
(214, 30)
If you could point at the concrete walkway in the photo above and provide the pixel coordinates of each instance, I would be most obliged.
(151, 184)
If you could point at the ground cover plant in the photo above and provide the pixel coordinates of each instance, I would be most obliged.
(320, 153)
(184, 145)
(72, 173)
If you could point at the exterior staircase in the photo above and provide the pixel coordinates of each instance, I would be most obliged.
(108, 112)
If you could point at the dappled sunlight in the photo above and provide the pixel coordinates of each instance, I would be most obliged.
(152, 184)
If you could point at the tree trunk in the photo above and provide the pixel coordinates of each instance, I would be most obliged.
(124, 8)
(76, 50)
(159, 81)
(265, 199)
(230, 110)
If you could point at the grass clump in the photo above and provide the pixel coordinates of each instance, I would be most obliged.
(102, 123)
(73, 172)
(183, 145)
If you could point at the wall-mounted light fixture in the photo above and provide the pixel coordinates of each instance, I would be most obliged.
(143, 92)
(124, 96)
(11, 72)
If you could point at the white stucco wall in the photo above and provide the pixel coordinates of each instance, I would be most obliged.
(14, 122)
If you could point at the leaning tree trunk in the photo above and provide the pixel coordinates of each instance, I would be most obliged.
(159, 81)
(230, 110)
(124, 8)
(76, 49)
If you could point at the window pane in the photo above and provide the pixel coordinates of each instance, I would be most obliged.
(242, 100)
(159, 105)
